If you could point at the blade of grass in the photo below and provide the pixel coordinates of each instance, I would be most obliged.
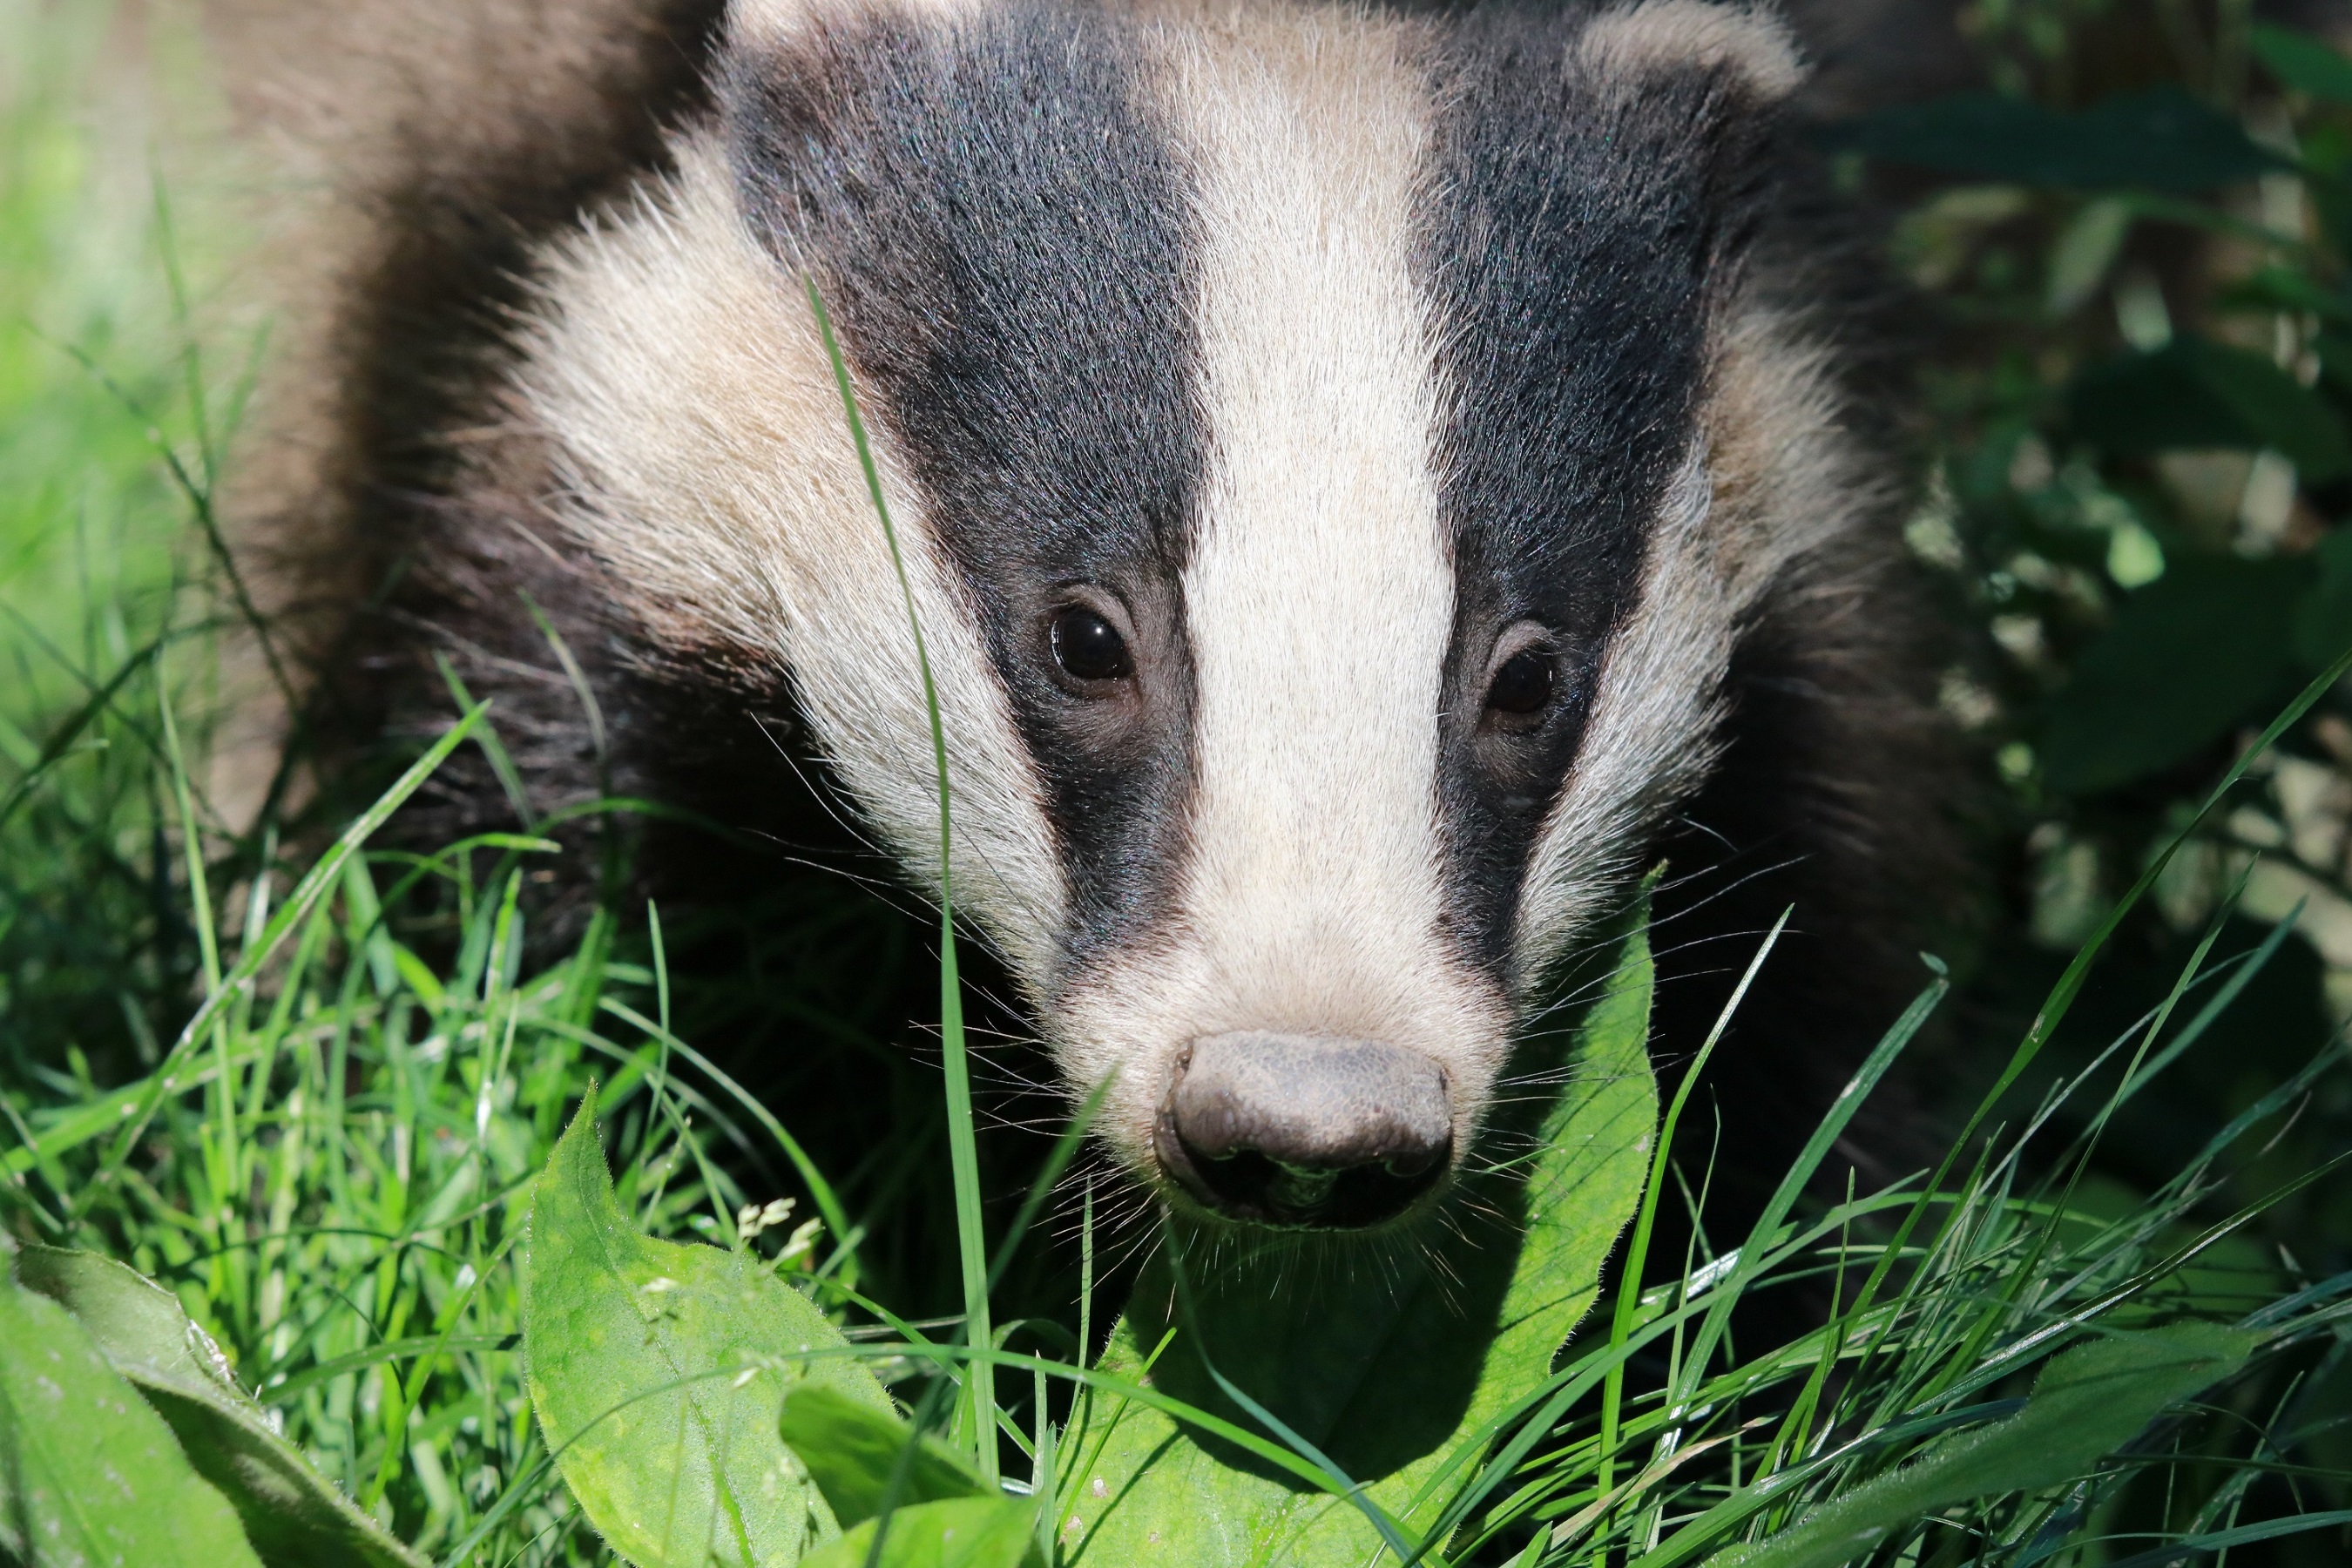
(1832, 1127)
(1637, 1252)
(70, 729)
(2194, 1030)
(978, 1410)
(2244, 1535)
(494, 751)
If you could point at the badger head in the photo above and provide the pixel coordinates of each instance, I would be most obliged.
(1334, 453)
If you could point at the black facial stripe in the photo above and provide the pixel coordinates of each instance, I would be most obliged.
(998, 229)
(1573, 240)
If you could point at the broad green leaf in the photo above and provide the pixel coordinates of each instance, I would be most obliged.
(88, 1474)
(2334, 347)
(2159, 140)
(961, 1533)
(2323, 622)
(2284, 289)
(1387, 1364)
(2086, 1403)
(2195, 393)
(2201, 649)
(657, 1370)
(851, 1450)
(294, 1517)
(2303, 62)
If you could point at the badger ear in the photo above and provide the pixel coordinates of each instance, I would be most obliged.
(1748, 48)
(757, 23)
(1701, 85)
(767, 24)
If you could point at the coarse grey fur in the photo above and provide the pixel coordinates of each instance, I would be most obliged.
(1331, 356)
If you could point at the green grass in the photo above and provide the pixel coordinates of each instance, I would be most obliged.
(311, 1097)
(338, 1163)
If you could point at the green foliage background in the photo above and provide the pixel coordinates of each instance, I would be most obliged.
(2135, 383)
(2129, 340)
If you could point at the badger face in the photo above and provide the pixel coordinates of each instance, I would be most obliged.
(1334, 454)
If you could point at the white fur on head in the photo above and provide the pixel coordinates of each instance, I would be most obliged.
(1770, 481)
(1650, 737)
(680, 371)
(1319, 595)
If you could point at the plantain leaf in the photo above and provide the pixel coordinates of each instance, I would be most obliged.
(293, 1516)
(88, 1474)
(959, 1533)
(2086, 1403)
(852, 1450)
(1392, 1376)
(657, 1370)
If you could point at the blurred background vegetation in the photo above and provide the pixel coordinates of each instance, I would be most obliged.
(2130, 343)
(2118, 232)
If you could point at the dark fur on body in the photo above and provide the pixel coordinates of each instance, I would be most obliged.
(396, 505)
(408, 514)
(1843, 802)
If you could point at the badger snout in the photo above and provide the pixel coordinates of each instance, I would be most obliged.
(1304, 1131)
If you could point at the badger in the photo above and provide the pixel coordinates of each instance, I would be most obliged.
(1370, 481)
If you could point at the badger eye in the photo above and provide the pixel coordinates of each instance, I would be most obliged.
(1089, 648)
(1523, 685)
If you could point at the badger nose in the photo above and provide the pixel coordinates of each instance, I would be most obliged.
(1305, 1130)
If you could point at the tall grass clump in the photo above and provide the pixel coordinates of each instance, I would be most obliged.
(351, 1169)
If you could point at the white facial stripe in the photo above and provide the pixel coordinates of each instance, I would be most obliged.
(680, 371)
(1318, 596)
(1651, 735)
(1772, 481)
(1320, 599)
